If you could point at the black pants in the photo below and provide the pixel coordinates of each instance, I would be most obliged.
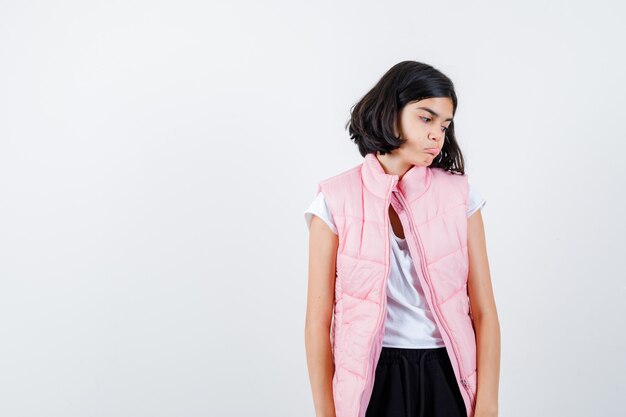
(415, 383)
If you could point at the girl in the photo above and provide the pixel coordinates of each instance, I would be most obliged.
(401, 318)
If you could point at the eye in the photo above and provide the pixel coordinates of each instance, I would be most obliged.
(428, 120)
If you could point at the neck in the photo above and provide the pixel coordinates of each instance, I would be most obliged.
(393, 165)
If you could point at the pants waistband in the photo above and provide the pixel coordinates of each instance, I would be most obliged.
(393, 354)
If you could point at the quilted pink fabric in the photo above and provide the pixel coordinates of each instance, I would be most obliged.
(431, 204)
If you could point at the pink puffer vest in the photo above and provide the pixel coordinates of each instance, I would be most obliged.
(431, 204)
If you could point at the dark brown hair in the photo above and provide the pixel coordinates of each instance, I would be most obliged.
(373, 118)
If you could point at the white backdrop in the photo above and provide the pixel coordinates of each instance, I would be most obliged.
(156, 158)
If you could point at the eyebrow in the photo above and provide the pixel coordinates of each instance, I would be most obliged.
(433, 113)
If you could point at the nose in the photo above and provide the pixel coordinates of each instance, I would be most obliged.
(438, 137)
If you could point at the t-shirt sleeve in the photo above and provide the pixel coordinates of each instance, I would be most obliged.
(319, 208)
(476, 201)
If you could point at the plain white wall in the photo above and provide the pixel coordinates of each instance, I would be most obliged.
(156, 159)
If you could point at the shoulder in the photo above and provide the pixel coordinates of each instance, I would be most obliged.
(450, 180)
(339, 183)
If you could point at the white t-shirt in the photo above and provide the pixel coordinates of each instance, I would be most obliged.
(409, 323)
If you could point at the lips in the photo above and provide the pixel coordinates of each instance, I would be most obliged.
(433, 151)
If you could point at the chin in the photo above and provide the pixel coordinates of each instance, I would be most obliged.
(423, 162)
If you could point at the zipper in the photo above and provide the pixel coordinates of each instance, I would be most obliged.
(412, 230)
(381, 317)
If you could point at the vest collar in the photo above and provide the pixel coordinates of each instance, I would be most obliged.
(412, 185)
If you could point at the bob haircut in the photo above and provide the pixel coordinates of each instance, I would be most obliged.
(373, 118)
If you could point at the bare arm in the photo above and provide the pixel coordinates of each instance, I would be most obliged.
(485, 318)
(320, 301)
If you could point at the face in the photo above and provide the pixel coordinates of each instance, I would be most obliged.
(423, 125)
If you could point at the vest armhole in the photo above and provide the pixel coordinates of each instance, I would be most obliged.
(329, 204)
(466, 192)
